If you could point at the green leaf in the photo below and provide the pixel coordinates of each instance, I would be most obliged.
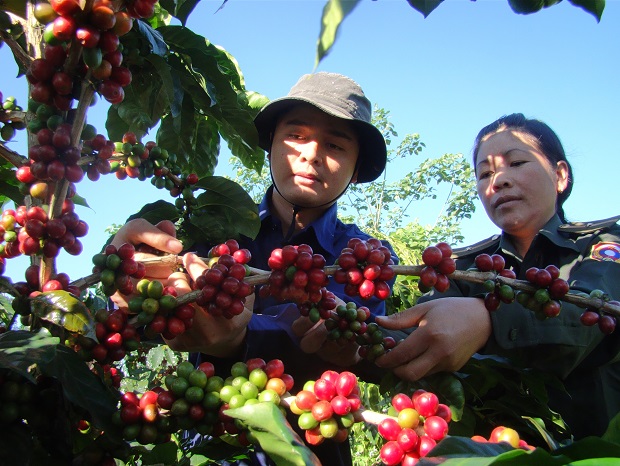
(165, 453)
(156, 42)
(115, 125)
(20, 349)
(334, 12)
(525, 7)
(204, 148)
(274, 433)
(613, 430)
(595, 7)
(6, 286)
(17, 7)
(181, 9)
(81, 386)
(226, 211)
(64, 309)
(10, 191)
(79, 200)
(424, 6)
(157, 211)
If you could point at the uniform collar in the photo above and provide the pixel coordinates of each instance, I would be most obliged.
(324, 227)
(551, 231)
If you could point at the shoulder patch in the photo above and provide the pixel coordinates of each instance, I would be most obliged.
(476, 247)
(609, 252)
(588, 227)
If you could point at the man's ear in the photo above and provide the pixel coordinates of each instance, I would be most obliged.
(354, 177)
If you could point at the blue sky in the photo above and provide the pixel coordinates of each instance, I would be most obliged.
(444, 77)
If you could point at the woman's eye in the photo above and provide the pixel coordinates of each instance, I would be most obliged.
(484, 175)
(334, 146)
(518, 163)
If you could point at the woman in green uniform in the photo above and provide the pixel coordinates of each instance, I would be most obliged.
(523, 179)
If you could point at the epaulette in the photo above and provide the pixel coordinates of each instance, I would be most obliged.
(588, 227)
(476, 247)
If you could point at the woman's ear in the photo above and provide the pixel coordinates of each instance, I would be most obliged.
(562, 172)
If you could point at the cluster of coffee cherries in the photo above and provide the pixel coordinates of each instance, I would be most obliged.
(438, 264)
(347, 322)
(97, 32)
(323, 309)
(326, 406)
(53, 158)
(365, 267)
(32, 287)
(606, 323)
(372, 343)
(8, 124)
(545, 301)
(156, 307)
(197, 398)
(496, 292)
(134, 159)
(414, 426)
(116, 337)
(297, 275)
(31, 231)
(250, 382)
(223, 290)
(117, 267)
(504, 434)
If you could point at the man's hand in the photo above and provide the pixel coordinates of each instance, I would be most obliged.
(450, 331)
(314, 340)
(144, 235)
(216, 336)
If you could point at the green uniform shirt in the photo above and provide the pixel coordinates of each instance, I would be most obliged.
(584, 358)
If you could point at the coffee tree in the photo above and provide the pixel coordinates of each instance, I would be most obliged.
(64, 353)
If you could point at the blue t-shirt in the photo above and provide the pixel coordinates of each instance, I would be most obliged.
(269, 334)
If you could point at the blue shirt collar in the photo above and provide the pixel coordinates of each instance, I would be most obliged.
(324, 227)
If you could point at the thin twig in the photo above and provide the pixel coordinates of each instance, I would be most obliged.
(18, 52)
(261, 277)
(11, 156)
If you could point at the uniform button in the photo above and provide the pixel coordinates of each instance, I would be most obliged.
(513, 334)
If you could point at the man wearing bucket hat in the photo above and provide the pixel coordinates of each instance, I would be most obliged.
(319, 140)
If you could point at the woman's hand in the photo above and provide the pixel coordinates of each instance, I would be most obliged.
(216, 336)
(450, 331)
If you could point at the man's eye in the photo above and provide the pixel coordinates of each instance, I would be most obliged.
(484, 175)
(334, 146)
(518, 163)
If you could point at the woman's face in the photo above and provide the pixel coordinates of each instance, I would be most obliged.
(313, 156)
(516, 183)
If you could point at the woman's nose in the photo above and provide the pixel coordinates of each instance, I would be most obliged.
(501, 179)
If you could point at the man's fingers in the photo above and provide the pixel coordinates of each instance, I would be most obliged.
(167, 227)
(180, 281)
(301, 325)
(193, 265)
(314, 338)
(139, 231)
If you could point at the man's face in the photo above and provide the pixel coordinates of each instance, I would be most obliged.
(313, 156)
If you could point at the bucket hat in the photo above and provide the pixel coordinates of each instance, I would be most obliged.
(340, 97)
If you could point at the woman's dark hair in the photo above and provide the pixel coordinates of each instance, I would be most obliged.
(549, 143)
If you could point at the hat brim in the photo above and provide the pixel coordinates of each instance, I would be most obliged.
(373, 152)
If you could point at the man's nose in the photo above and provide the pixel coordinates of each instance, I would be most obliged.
(310, 151)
